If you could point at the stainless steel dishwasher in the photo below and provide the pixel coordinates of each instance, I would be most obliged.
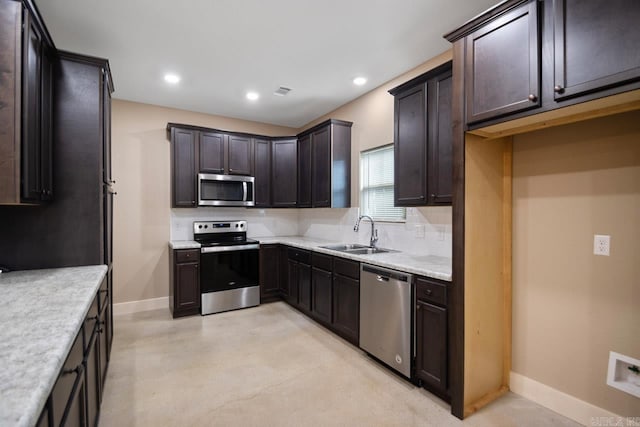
(385, 316)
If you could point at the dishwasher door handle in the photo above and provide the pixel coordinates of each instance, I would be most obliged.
(382, 278)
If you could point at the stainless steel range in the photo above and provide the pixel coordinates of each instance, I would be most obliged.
(228, 266)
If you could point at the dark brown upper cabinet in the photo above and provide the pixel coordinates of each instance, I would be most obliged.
(211, 152)
(422, 139)
(327, 182)
(503, 65)
(284, 176)
(239, 155)
(525, 57)
(183, 162)
(304, 171)
(27, 58)
(596, 45)
(262, 172)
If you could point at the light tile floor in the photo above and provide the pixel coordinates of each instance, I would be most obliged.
(269, 366)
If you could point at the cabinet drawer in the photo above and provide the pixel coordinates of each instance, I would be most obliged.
(346, 268)
(300, 255)
(429, 290)
(90, 322)
(187, 255)
(322, 261)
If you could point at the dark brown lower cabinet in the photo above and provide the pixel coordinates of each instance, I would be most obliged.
(269, 274)
(184, 289)
(321, 293)
(67, 400)
(283, 262)
(304, 286)
(292, 282)
(431, 342)
(346, 307)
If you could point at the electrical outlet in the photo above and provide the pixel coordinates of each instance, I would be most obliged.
(420, 231)
(601, 244)
(441, 233)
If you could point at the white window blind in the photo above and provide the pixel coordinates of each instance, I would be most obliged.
(376, 185)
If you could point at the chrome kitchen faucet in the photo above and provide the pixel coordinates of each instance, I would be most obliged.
(374, 231)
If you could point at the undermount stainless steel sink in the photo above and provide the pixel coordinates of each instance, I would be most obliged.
(369, 251)
(344, 247)
(356, 249)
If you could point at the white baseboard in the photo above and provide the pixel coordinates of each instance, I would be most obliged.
(142, 305)
(558, 401)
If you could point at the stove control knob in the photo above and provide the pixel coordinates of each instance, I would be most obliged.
(206, 226)
(199, 226)
(241, 225)
(236, 225)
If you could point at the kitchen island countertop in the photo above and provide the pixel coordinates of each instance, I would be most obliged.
(41, 312)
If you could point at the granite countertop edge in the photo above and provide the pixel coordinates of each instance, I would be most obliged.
(429, 266)
(30, 368)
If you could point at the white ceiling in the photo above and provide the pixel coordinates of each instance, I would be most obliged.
(224, 48)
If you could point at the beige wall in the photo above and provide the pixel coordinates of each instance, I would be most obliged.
(570, 307)
(372, 117)
(142, 206)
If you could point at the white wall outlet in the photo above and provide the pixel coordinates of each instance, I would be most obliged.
(420, 231)
(441, 233)
(601, 244)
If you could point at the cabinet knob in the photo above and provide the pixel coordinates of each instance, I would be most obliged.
(230, 170)
(429, 292)
(418, 307)
(558, 89)
(533, 98)
(193, 202)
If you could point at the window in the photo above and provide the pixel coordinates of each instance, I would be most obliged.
(376, 185)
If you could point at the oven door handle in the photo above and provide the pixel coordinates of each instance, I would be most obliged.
(229, 248)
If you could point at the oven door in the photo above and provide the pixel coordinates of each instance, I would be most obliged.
(225, 190)
(229, 267)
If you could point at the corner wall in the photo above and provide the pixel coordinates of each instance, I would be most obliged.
(142, 207)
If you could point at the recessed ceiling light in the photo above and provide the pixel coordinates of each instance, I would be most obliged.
(359, 81)
(171, 78)
(252, 96)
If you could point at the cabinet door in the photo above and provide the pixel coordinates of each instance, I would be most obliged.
(183, 168)
(262, 172)
(321, 169)
(211, 152)
(239, 155)
(76, 411)
(410, 147)
(187, 286)
(321, 295)
(31, 103)
(284, 173)
(304, 172)
(106, 117)
(346, 307)
(269, 286)
(292, 282)
(46, 125)
(93, 378)
(109, 324)
(502, 71)
(440, 141)
(431, 344)
(283, 259)
(103, 345)
(304, 286)
(606, 30)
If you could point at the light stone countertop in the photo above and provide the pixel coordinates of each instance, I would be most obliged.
(184, 244)
(41, 312)
(436, 267)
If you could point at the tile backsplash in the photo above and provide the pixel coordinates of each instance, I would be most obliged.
(261, 222)
(427, 230)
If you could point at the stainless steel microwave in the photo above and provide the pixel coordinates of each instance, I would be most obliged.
(225, 190)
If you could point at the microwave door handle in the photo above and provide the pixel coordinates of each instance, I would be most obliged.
(244, 191)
